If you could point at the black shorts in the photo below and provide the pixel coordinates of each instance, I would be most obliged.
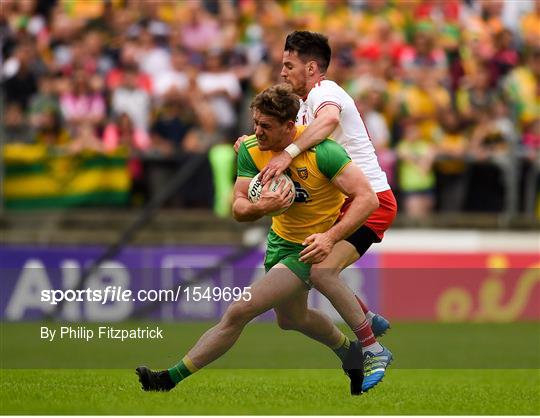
(362, 239)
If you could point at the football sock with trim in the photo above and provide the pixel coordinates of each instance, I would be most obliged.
(367, 340)
(342, 347)
(182, 370)
(365, 309)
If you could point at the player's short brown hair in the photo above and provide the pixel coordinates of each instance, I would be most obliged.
(277, 101)
(310, 46)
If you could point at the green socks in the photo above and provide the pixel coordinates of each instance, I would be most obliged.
(182, 370)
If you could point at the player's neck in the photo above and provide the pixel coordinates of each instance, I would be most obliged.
(312, 82)
(288, 140)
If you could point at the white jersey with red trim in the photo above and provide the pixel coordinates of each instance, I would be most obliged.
(351, 132)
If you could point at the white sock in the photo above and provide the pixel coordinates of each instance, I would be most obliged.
(374, 348)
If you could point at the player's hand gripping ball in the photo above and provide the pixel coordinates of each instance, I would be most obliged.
(255, 190)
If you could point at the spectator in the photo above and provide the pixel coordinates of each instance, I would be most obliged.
(45, 100)
(20, 81)
(171, 129)
(151, 58)
(423, 101)
(372, 10)
(530, 178)
(51, 131)
(530, 27)
(174, 140)
(489, 17)
(15, 128)
(122, 133)
(175, 80)
(120, 137)
(475, 95)
(82, 102)
(513, 13)
(505, 56)
(222, 90)
(370, 101)
(522, 88)
(384, 43)
(408, 63)
(531, 140)
(416, 176)
(424, 53)
(450, 165)
(267, 71)
(199, 30)
(96, 56)
(85, 139)
(488, 173)
(115, 77)
(206, 131)
(129, 98)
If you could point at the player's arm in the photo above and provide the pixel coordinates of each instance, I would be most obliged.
(326, 121)
(336, 165)
(239, 141)
(245, 211)
(353, 183)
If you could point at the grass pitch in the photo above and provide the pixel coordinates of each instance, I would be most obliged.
(239, 392)
(439, 369)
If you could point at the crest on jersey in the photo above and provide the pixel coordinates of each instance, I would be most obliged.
(302, 173)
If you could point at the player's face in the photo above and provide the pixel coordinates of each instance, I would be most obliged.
(269, 131)
(294, 72)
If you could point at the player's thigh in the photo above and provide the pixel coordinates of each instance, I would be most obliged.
(342, 255)
(274, 288)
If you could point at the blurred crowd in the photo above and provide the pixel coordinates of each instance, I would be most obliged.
(449, 89)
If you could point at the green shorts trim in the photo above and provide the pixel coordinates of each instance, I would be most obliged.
(285, 252)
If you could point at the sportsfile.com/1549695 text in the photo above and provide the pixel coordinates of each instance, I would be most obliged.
(112, 294)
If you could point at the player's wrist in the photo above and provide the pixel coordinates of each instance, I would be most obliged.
(332, 236)
(293, 150)
(259, 207)
(263, 206)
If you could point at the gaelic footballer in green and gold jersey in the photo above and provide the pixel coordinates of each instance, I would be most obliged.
(323, 175)
(317, 202)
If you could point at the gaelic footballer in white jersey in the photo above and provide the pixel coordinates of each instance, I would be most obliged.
(351, 133)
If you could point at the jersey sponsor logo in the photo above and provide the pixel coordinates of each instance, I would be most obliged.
(302, 173)
(302, 195)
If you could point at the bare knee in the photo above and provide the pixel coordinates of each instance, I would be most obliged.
(286, 322)
(294, 322)
(239, 313)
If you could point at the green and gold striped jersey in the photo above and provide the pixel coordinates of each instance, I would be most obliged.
(317, 203)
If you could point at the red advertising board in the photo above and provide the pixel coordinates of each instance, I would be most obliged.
(481, 287)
